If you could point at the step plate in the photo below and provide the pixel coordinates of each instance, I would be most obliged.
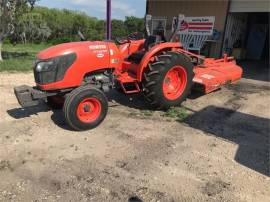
(128, 79)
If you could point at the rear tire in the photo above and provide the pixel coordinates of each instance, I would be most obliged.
(85, 108)
(168, 80)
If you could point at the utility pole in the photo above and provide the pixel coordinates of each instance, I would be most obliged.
(109, 19)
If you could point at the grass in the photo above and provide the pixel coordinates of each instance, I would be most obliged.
(142, 114)
(20, 57)
(178, 113)
(147, 113)
(173, 114)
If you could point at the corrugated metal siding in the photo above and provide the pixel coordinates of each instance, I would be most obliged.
(250, 6)
(194, 8)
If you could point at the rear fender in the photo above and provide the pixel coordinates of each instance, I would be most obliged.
(152, 53)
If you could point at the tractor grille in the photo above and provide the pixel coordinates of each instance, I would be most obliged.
(43, 78)
(56, 73)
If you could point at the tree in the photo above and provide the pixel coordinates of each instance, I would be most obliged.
(9, 10)
(56, 26)
(118, 29)
(31, 27)
(134, 24)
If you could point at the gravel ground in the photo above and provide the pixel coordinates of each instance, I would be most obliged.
(219, 153)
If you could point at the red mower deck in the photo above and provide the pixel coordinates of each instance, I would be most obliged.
(213, 74)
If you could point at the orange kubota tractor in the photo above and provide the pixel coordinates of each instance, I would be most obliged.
(75, 75)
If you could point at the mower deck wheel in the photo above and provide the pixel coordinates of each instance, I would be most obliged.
(85, 108)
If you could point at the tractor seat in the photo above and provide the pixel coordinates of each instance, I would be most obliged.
(137, 56)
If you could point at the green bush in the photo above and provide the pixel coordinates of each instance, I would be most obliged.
(61, 40)
(59, 26)
(20, 57)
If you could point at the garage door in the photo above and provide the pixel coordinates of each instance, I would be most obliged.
(250, 6)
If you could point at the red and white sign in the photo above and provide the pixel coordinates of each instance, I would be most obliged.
(198, 25)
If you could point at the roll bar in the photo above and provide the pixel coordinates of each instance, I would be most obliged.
(176, 25)
(148, 18)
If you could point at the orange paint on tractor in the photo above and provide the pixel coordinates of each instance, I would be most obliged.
(213, 74)
(80, 72)
(90, 57)
(94, 56)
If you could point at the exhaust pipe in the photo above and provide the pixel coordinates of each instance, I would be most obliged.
(109, 19)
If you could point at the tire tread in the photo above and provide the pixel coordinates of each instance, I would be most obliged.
(153, 77)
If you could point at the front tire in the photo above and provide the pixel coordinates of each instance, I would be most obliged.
(85, 108)
(168, 80)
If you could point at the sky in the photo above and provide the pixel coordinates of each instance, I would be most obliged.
(97, 8)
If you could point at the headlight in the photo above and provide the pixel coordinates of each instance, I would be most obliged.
(45, 66)
(53, 69)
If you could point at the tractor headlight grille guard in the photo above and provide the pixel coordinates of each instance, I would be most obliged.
(53, 69)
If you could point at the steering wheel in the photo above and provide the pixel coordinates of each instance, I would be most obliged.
(131, 37)
(122, 41)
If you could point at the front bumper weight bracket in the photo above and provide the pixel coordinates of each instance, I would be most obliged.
(28, 96)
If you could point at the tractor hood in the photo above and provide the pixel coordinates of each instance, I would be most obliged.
(73, 47)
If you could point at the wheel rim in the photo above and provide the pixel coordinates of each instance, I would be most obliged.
(89, 110)
(175, 82)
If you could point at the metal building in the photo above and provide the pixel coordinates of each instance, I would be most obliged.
(242, 27)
